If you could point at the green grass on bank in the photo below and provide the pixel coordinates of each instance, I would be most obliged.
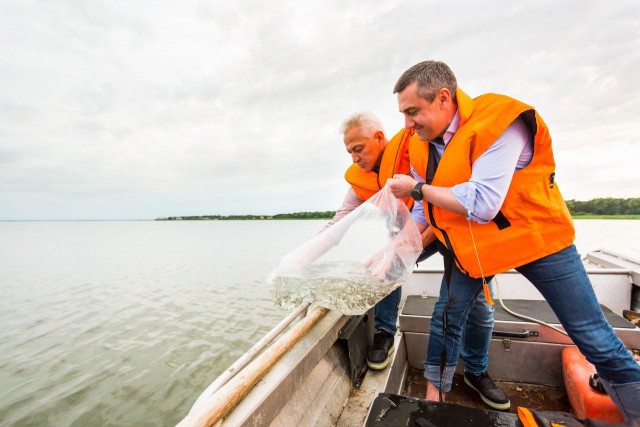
(594, 216)
(329, 214)
(608, 208)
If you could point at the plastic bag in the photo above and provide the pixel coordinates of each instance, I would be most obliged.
(353, 264)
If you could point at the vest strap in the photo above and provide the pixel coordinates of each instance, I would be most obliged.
(432, 164)
(501, 221)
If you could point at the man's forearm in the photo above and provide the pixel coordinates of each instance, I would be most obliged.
(428, 236)
(442, 197)
(349, 204)
(401, 186)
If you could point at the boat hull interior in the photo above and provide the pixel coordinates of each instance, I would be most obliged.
(323, 380)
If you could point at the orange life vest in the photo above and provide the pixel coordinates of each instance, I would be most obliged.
(395, 160)
(533, 220)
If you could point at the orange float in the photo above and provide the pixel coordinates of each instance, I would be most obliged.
(586, 402)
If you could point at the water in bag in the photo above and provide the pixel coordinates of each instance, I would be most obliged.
(355, 263)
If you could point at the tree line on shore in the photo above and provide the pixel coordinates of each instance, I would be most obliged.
(295, 215)
(604, 206)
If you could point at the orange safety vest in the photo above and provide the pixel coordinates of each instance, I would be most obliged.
(533, 221)
(395, 160)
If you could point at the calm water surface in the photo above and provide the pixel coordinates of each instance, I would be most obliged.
(125, 323)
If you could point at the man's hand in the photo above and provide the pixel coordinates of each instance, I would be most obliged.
(380, 263)
(401, 185)
(428, 237)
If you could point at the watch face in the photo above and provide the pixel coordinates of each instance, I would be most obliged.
(416, 193)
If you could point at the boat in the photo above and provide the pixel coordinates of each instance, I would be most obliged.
(315, 372)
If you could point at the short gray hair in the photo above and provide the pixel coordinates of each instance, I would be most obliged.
(368, 123)
(431, 76)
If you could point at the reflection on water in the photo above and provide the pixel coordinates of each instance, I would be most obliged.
(125, 323)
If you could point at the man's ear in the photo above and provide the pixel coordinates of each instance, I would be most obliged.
(444, 96)
(379, 136)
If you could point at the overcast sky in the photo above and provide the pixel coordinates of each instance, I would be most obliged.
(142, 109)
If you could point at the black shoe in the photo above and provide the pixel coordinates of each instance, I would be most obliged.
(488, 391)
(381, 350)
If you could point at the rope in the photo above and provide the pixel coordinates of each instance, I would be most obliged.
(485, 285)
(522, 316)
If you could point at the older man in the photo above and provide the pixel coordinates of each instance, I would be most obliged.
(485, 172)
(375, 160)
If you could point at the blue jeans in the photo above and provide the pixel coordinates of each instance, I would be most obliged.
(387, 312)
(476, 337)
(563, 281)
(470, 325)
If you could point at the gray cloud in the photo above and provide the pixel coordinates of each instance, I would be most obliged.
(145, 109)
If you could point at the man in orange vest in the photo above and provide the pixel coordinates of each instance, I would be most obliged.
(367, 144)
(375, 160)
(484, 173)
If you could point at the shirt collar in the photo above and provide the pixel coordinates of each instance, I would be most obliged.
(452, 129)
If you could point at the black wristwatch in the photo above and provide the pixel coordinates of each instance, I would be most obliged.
(416, 193)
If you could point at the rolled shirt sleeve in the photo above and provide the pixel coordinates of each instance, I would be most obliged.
(491, 175)
(350, 203)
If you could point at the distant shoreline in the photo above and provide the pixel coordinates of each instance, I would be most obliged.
(296, 215)
(604, 208)
(264, 218)
(309, 215)
(593, 216)
(326, 215)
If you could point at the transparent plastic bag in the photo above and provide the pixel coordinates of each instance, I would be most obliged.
(353, 264)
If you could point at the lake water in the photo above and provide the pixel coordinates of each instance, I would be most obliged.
(125, 323)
